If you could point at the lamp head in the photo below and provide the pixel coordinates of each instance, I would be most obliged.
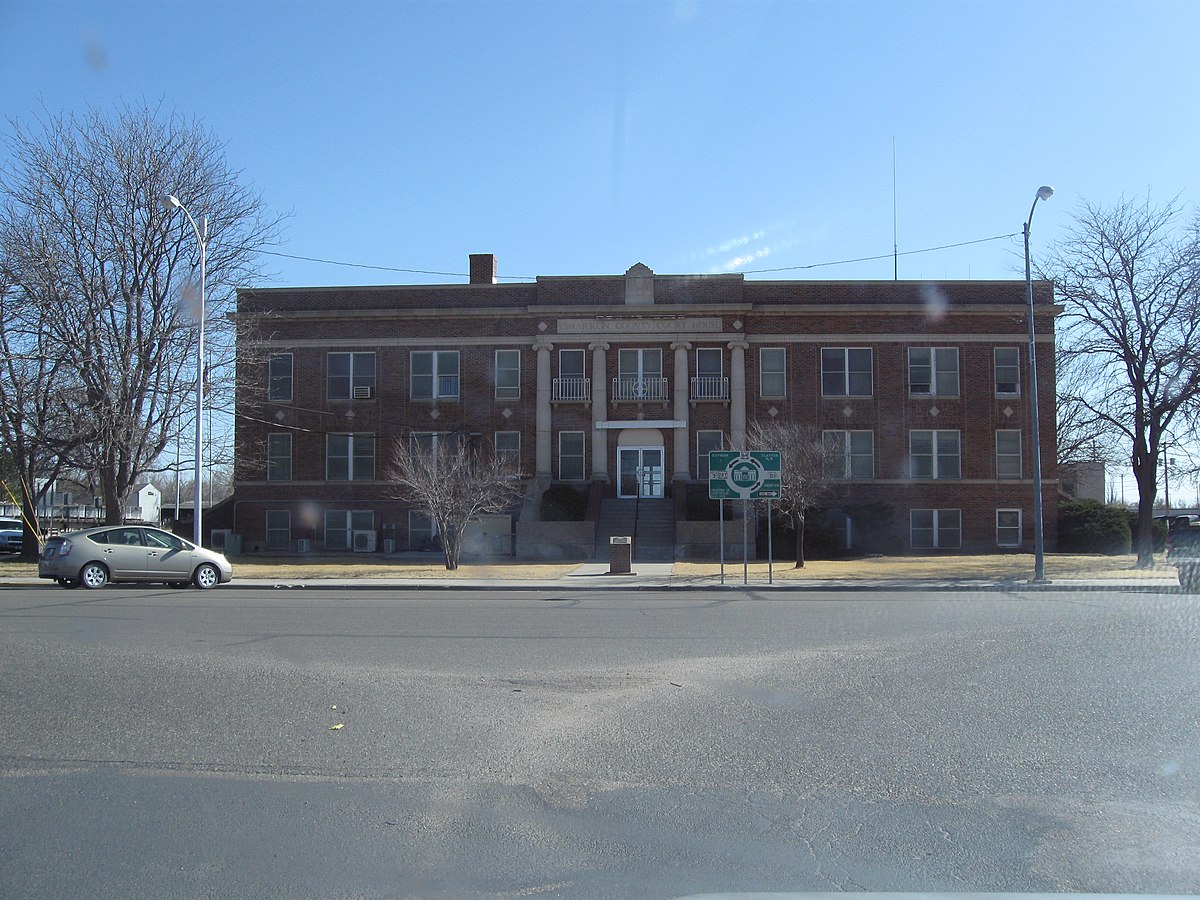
(170, 202)
(1045, 192)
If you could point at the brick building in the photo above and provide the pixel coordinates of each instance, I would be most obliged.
(620, 385)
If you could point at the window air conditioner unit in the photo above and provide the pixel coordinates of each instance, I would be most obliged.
(364, 542)
(303, 545)
(361, 392)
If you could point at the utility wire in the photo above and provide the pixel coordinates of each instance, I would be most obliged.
(838, 262)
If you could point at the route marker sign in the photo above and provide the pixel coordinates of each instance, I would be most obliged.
(744, 475)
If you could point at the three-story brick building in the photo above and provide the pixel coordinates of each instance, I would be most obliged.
(621, 385)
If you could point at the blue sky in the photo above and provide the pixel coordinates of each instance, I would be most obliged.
(580, 138)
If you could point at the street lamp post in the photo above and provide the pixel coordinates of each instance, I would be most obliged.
(170, 204)
(1045, 192)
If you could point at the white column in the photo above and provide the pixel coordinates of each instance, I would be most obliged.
(737, 396)
(682, 444)
(543, 456)
(599, 411)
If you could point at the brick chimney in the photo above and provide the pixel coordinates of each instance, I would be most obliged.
(483, 268)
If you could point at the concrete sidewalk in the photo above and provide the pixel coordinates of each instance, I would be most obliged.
(660, 576)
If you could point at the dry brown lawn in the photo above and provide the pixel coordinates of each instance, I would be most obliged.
(1017, 567)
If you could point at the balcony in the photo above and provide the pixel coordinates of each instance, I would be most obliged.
(639, 389)
(710, 387)
(572, 390)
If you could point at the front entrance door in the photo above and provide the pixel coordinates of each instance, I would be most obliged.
(640, 471)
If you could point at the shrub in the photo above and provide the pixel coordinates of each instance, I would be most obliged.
(564, 503)
(1088, 526)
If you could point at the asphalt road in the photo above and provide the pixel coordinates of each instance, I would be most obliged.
(159, 742)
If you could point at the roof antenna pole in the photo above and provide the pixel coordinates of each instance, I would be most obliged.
(895, 246)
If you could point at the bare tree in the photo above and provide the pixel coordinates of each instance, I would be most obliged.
(1129, 278)
(85, 242)
(455, 481)
(805, 469)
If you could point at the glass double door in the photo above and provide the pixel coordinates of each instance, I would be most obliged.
(640, 471)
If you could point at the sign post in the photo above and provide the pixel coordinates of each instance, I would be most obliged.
(743, 475)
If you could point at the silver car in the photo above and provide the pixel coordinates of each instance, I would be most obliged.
(95, 556)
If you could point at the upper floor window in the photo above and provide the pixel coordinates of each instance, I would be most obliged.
(572, 384)
(351, 376)
(772, 372)
(639, 375)
(279, 457)
(434, 375)
(508, 374)
(935, 454)
(1008, 453)
(933, 371)
(280, 378)
(1008, 371)
(846, 372)
(350, 457)
(851, 454)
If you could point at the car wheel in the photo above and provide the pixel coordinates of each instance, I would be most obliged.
(206, 576)
(68, 583)
(93, 576)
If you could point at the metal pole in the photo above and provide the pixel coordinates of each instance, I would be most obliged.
(770, 547)
(198, 534)
(721, 539)
(745, 546)
(1039, 561)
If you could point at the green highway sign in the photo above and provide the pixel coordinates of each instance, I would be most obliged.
(744, 475)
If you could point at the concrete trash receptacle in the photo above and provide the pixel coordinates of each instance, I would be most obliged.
(620, 558)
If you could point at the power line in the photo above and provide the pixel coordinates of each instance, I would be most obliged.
(882, 256)
(838, 262)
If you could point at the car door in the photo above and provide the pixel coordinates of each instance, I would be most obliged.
(124, 552)
(167, 557)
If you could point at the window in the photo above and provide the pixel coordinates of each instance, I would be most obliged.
(572, 384)
(508, 448)
(349, 457)
(422, 531)
(571, 363)
(508, 374)
(772, 372)
(933, 371)
(279, 457)
(707, 441)
(570, 456)
(639, 375)
(851, 454)
(935, 454)
(710, 382)
(845, 372)
(1008, 371)
(280, 378)
(1008, 453)
(434, 375)
(935, 529)
(350, 376)
(1008, 528)
(340, 525)
(279, 529)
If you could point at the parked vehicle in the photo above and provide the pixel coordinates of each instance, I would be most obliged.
(1183, 552)
(11, 535)
(113, 553)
